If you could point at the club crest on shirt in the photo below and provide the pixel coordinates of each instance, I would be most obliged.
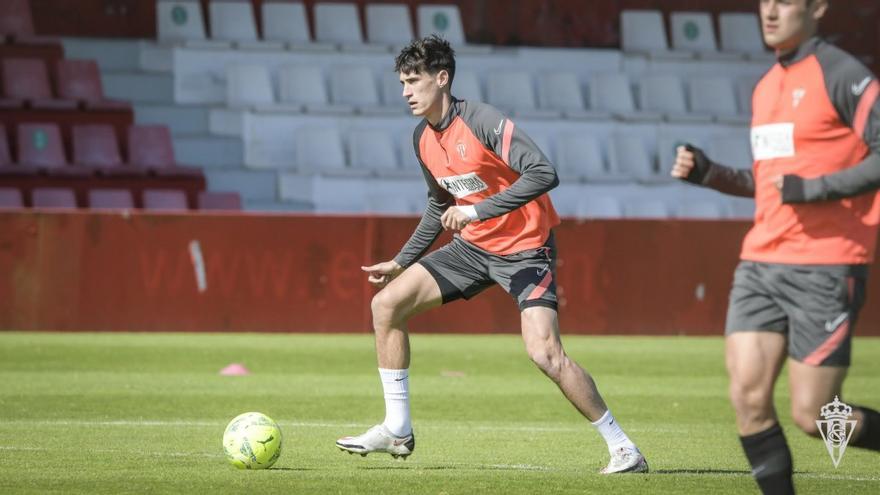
(796, 96)
(461, 186)
(462, 149)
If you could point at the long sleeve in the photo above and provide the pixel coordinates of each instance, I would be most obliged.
(429, 227)
(519, 152)
(724, 179)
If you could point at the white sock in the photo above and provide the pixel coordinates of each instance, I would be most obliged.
(396, 386)
(612, 433)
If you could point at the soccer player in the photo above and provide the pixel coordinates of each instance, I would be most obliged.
(801, 280)
(488, 182)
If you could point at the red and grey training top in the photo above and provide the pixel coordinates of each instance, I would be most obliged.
(477, 156)
(816, 121)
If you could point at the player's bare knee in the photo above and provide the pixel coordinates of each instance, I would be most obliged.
(547, 360)
(806, 421)
(384, 308)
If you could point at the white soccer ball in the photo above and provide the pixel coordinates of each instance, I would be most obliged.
(252, 441)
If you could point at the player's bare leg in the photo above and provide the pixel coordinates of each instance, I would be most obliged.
(540, 331)
(754, 360)
(412, 292)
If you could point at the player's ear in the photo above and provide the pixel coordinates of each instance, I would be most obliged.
(819, 8)
(442, 78)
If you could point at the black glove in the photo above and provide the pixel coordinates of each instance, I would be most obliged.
(702, 166)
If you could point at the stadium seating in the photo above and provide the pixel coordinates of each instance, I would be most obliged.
(285, 22)
(214, 200)
(356, 86)
(96, 146)
(693, 32)
(580, 157)
(373, 150)
(629, 156)
(10, 198)
(741, 34)
(110, 199)
(81, 80)
(302, 88)
(53, 197)
(179, 21)
(28, 79)
(702, 210)
(164, 200)
(643, 31)
(715, 96)
(40, 147)
(653, 209)
(248, 86)
(338, 23)
(665, 94)
(232, 20)
(511, 92)
(388, 24)
(613, 93)
(150, 147)
(599, 207)
(443, 20)
(15, 18)
(465, 86)
(321, 150)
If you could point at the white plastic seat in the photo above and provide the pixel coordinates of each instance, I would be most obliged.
(248, 85)
(702, 209)
(232, 20)
(560, 91)
(338, 23)
(741, 33)
(713, 96)
(745, 87)
(599, 207)
(731, 151)
(392, 92)
(647, 209)
(284, 21)
(179, 20)
(511, 91)
(354, 85)
(302, 87)
(693, 32)
(629, 156)
(373, 150)
(466, 86)
(320, 149)
(580, 157)
(389, 24)
(339, 194)
(613, 93)
(443, 20)
(665, 94)
(643, 31)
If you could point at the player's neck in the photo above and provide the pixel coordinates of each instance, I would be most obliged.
(790, 48)
(440, 109)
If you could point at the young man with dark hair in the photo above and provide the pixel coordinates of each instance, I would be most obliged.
(801, 280)
(488, 182)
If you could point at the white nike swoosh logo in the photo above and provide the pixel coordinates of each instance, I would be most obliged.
(834, 324)
(859, 88)
(497, 130)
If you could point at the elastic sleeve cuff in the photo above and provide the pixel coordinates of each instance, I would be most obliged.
(793, 189)
(470, 211)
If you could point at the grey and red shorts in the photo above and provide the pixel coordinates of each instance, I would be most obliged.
(462, 270)
(815, 306)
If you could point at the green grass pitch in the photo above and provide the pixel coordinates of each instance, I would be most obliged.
(144, 413)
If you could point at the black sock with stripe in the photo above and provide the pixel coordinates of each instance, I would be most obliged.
(770, 458)
(869, 437)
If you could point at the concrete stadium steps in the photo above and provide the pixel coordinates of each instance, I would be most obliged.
(208, 150)
(180, 119)
(111, 55)
(138, 86)
(253, 185)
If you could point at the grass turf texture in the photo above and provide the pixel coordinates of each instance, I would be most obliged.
(145, 413)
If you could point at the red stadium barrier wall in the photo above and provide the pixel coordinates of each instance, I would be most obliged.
(280, 273)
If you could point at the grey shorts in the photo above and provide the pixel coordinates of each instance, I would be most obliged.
(815, 306)
(463, 270)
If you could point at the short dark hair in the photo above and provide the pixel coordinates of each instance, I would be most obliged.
(430, 54)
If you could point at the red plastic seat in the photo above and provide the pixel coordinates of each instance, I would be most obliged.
(110, 199)
(95, 145)
(81, 80)
(7, 165)
(150, 147)
(10, 197)
(164, 200)
(40, 146)
(53, 197)
(26, 79)
(213, 200)
(15, 18)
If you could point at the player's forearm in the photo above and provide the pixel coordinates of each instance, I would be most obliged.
(732, 181)
(536, 181)
(423, 237)
(847, 183)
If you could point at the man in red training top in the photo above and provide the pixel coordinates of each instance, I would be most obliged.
(801, 280)
(488, 182)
